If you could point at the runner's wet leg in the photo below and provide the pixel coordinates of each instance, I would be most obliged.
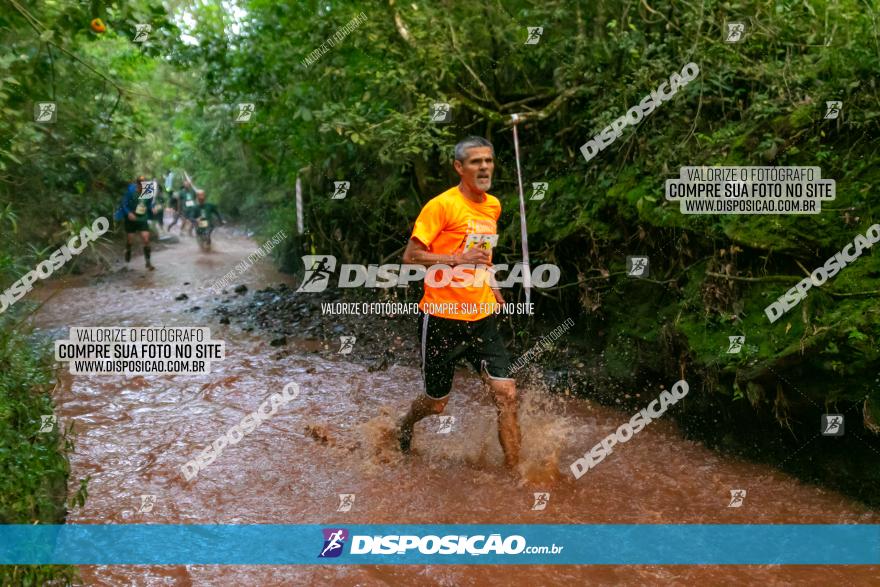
(145, 236)
(422, 407)
(504, 395)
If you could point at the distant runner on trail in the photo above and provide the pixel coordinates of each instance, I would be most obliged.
(159, 206)
(188, 202)
(204, 212)
(203, 215)
(174, 204)
(137, 208)
(460, 227)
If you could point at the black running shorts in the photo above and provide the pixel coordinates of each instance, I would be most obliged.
(443, 341)
(136, 226)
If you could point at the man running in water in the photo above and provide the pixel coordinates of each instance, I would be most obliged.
(457, 322)
(203, 212)
(174, 204)
(188, 198)
(159, 206)
(137, 207)
(203, 215)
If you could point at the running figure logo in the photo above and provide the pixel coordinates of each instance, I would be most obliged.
(446, 424)
(347, 344)
(319, 268)
(541, 501)
(147, 503)
(832, 109)
(736, 344)
(832, 424)
(637, 266)
(47, 423)
(737, 498)
(539, 188)
(346, 500)
(735, 32)
(245, 112)
(340, 190)
(441, 112)
(142, 32)
(535, 33)
(44, 112)
(334, 541)
(148, 191)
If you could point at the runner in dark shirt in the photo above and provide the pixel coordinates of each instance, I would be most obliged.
(188, 201)
(203, 214)
(137, 207)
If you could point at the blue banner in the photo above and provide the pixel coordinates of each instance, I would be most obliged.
(598, 544)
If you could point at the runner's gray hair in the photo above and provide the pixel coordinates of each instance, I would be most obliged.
(469, 143)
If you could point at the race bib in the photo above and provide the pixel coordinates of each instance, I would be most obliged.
(481, 241)
(141, 209)
(203, 223)
(190, 203)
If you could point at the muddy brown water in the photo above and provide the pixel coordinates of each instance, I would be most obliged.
(134, 434)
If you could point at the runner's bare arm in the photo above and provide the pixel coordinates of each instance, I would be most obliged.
(417, 253)
(496, 289)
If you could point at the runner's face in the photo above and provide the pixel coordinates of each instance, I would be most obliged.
(477, 168)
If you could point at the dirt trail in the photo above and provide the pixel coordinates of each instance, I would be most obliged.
(135, 433)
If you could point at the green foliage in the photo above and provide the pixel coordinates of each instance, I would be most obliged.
(75, 169)
(33, 466)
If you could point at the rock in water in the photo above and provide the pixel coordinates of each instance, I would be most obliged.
(381, 364)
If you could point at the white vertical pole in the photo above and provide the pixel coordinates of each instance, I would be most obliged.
(527, 271)
(299, 206)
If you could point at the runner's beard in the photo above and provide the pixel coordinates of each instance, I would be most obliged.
(484, 183)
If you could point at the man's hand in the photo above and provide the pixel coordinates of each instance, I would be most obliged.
(131, 216)
(474, 256)
(416, 253)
